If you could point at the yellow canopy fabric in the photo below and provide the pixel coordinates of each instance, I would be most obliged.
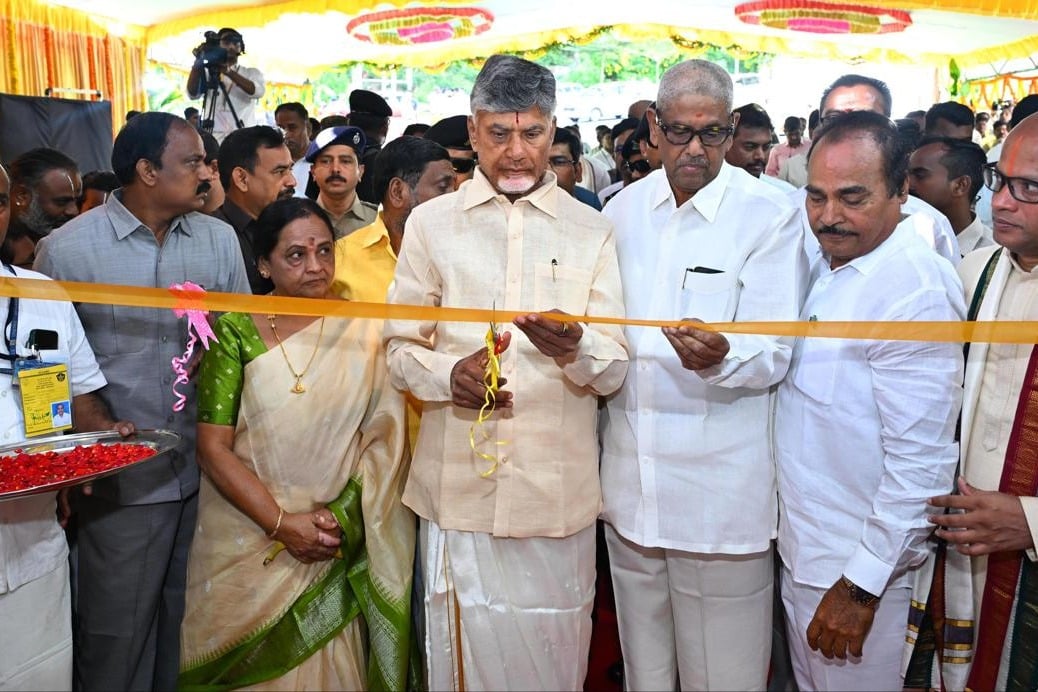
(58, 48)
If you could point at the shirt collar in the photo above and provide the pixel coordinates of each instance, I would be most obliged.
(373, 233)
(125, 223)
(706, 201)
(479, 191)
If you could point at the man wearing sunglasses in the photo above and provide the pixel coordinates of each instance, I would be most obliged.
(992, 521)
(453, 135)
(688, 481)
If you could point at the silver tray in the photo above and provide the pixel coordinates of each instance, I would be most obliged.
(160, 441)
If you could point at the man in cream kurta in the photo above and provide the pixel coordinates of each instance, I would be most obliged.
(508, 506)
(687, 467)
(987, 519)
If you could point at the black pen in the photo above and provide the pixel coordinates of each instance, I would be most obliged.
(554, 266)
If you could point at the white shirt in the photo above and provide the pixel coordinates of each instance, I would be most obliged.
(61, 419)
(610, 190)
(865, 429)
(594, 176)
(777, 183)
(931, 225)
(686, 457)
(31, 542)
(974, 237)
(244, 104)
(301, 172)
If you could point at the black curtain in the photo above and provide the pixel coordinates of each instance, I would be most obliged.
(80, 129)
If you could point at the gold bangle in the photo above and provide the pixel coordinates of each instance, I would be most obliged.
(277, 526)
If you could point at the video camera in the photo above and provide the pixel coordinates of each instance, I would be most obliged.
(211, 53)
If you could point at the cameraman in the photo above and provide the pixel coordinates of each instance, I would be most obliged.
(243, 86)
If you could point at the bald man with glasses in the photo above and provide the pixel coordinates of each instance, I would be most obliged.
(991, 524)
(688, 480)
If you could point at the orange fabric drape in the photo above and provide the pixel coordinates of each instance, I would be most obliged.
(981, 93)
(53, 47)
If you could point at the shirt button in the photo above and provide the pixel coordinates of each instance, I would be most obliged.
(165, 380)
(169, 419)
(3, 393)
(504, 459)
(165, 339)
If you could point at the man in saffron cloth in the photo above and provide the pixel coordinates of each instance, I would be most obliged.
(987, 568)
(508, 500)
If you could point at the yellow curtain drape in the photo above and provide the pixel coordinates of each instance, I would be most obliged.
(48, 47)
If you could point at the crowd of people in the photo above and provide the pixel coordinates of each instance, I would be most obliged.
(416, 503)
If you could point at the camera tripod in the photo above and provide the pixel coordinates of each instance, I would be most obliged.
(214, 86)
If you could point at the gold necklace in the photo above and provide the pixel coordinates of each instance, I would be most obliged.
(298, 388)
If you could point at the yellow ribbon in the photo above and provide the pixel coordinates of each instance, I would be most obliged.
(490, 377)
(1023, 332)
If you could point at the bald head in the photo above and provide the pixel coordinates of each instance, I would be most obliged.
(1014, 206)
(700, 77)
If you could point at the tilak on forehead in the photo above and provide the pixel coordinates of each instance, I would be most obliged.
(72, 185)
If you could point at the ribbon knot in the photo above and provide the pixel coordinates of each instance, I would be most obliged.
(190, 305)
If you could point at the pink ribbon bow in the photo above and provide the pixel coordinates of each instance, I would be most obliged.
(198, 329)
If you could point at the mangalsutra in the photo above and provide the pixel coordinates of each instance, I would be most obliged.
(298, 388)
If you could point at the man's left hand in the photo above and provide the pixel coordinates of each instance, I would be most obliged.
(553, 338)
(840, 625)
(989, 521)
(697, 349)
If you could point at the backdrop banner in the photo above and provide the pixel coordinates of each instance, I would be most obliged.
(80, 129)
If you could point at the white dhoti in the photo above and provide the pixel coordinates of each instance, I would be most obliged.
(702, 619)
(878, 669)
(507, 613)
(36, 634)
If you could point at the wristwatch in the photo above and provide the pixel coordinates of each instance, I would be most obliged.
(858, 594)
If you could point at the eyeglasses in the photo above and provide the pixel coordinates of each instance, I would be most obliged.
(641, 165)
(559, 161)
(680, 135)
(463, 166)
(1022, 189)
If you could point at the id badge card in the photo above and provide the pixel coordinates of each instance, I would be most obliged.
(46, 397)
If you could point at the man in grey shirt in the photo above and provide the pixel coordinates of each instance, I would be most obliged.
(135, 529)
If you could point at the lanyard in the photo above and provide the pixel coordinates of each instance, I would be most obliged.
(10, 331)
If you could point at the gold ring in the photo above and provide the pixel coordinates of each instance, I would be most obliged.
(565, 328)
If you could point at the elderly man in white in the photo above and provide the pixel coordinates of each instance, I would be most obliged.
(688, 476)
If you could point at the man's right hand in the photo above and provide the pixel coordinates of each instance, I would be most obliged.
(467, 387)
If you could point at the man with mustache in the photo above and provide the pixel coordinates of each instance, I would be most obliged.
(864, 428)
(45, 192)
(688, 479)
(255, 169)
(507, 533)
(136, 527)
(854, 92)
(335, 156)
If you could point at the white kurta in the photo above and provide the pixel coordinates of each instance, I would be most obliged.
(865, 429)
(686, 458)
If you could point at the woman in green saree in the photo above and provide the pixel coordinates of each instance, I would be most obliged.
(300, 570)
